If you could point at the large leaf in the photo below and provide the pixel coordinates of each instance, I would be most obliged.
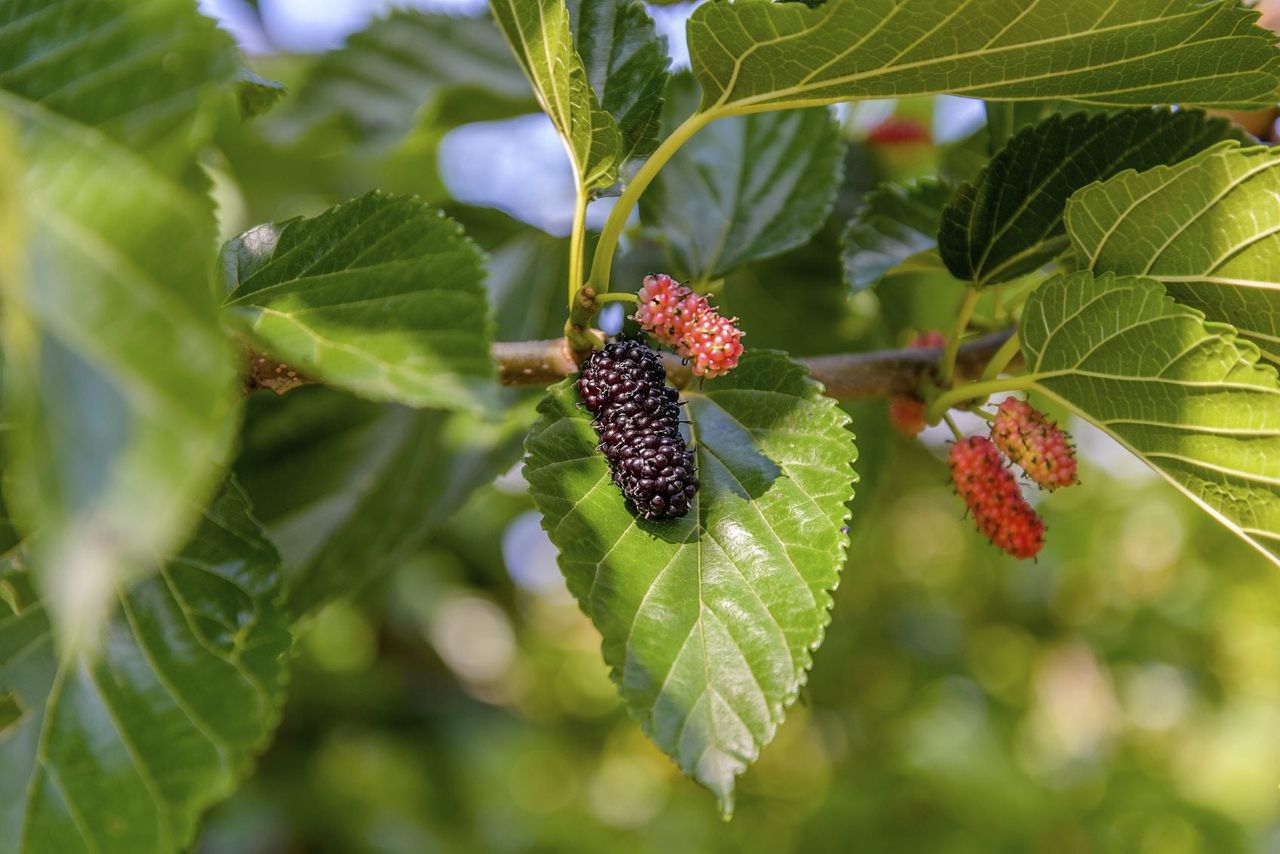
(381, 295)
(1009, 221)
(538, 31)
(897, 227)
(122, 751)
(626, 64)
(119, 382)
(346, 488)
(144, 72)
(1209, 228)
(391, 74)
(1185, 395)
(745, 188)
(763, 56)
(709, 621)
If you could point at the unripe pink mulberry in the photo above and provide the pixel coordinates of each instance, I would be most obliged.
(992, 493)
(687, 322)
(1035, 443)
(906, 413)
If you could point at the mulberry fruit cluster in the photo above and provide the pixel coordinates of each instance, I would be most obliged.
(992, 494)
(906, 413)
(637, 416)
(687, 323)
(1035, 443)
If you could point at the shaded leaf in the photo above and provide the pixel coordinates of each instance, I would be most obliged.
(381, 295)
(744, 188)
(626, 64)
(754, 56)
(144, 72)
(1185, 395)
(538, 31)
(897, 226)
(1208, 228)
(708, 621)
(121, 752)
(348, 488)
(1009, 222)
(381, 83)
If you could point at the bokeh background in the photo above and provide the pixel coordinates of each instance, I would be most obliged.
(1120, 694)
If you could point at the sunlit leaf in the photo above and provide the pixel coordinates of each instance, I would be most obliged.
(539, 33)
(753, 56)
(744, 188)
(709, 621)
(120, 385)
(122, 752)
(1185, 395)
(1209, 228)
(382, 296)
(1009, 222)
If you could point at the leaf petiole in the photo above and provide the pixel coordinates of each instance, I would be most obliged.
(976, 391)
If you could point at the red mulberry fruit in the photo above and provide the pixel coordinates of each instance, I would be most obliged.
(638, 422)
(1035, 443)
(687, 322)
(992, 494)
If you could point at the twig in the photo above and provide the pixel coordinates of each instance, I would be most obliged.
(847, 376)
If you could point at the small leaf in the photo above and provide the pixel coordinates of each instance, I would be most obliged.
(256, 95)
(122, 752)
(753, 56)
(347, 488)
(1009, 222)
(626, 64)
(744, 188)
(709, 621)
(386, 77)
(896, 227)
(381, 295)
(538, 31)
(1208, 228)
(1184, 395)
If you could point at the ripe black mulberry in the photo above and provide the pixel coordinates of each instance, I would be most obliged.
(637, 416)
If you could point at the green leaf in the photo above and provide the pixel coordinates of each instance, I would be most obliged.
(381, 295)
(347, 488)
(896, 228)
(766, 56)
(526, 280)
(744, 188)
(1006, 118)
(1185, 395)
(256, 95)
(146, 73)
(1010, 221)
(119, 383)
(709, 621)
(626, 64)
(1207, 228)
(397, 70)
(538, 31)
(122, 752)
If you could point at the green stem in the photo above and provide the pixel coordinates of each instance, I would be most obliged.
(947, 370)
(975, 391)
(577, 241)
(1008, 350)
(955, 429)
(622, 297)
(602, 263)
